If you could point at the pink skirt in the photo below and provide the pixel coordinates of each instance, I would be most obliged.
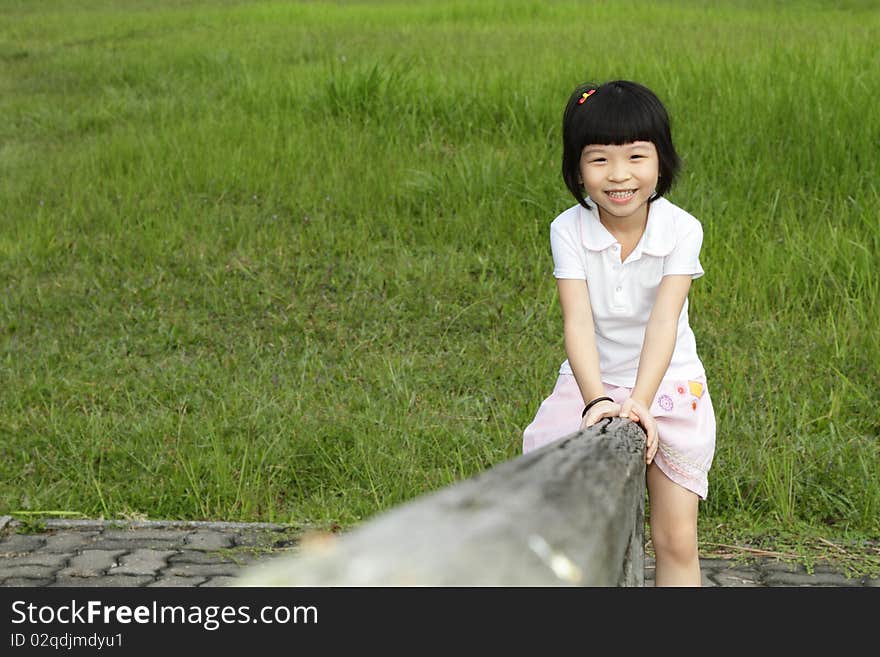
(685, 425)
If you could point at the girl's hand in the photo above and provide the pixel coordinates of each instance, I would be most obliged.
(598, 411)
(637, 412)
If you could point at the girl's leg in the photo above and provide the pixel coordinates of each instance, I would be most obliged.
(673, 530)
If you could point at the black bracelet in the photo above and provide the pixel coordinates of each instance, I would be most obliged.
(595, 401)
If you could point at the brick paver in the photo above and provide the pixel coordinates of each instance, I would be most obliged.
(220, 581)
(206, 570)
(67, 542)
(91, 563)
(209, 540)
(28, 581)
(816, 579)
(142, 562)
(26, 571)
(199, 556)
(738, 577)
(36, 559)
(176, 580)
(21, 543)
(110, 580)
(141, 554)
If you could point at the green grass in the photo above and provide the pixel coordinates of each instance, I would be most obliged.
(290, 261)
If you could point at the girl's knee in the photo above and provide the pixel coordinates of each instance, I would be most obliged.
(675, 540)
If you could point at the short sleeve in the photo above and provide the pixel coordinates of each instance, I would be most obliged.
(685, 257)
(568, 261)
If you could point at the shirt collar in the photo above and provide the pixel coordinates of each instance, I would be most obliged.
(657, 240)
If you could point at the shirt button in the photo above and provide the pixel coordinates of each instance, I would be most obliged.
(616, 247)
(618, 288)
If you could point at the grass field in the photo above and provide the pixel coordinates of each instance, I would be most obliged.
(290, 261)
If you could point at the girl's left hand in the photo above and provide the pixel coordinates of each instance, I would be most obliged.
(638, 412)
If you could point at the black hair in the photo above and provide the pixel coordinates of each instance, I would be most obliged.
(617, 112)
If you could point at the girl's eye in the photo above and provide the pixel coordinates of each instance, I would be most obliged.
(636, 157)
(598, 159)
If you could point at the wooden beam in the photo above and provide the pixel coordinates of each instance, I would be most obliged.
(570, 513)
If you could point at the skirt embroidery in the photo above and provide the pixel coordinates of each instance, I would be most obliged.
(682, 464)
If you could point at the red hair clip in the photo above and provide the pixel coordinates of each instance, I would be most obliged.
(585, 96)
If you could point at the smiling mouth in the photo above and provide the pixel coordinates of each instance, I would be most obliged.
(622, 195)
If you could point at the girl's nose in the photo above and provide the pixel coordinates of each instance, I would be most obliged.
(618, 172)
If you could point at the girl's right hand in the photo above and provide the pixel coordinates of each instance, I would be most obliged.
(598, 411)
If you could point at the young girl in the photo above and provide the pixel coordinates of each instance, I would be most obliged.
(624, 258)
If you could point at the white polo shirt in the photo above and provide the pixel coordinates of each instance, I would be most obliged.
(622, 294)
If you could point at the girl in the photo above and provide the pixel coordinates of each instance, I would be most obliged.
(624, 258)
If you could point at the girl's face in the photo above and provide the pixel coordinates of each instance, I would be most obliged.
(620, 179)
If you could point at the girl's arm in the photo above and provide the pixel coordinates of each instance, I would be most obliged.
(580, 336)
(660, 335)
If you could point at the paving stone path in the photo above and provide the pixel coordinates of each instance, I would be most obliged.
(97, 553)
(191, 554)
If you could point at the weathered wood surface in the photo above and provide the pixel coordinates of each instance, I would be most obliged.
(571, 513)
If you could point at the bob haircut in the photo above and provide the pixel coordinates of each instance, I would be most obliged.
(619, 112)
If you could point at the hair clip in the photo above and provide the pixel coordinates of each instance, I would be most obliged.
(585, 96)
